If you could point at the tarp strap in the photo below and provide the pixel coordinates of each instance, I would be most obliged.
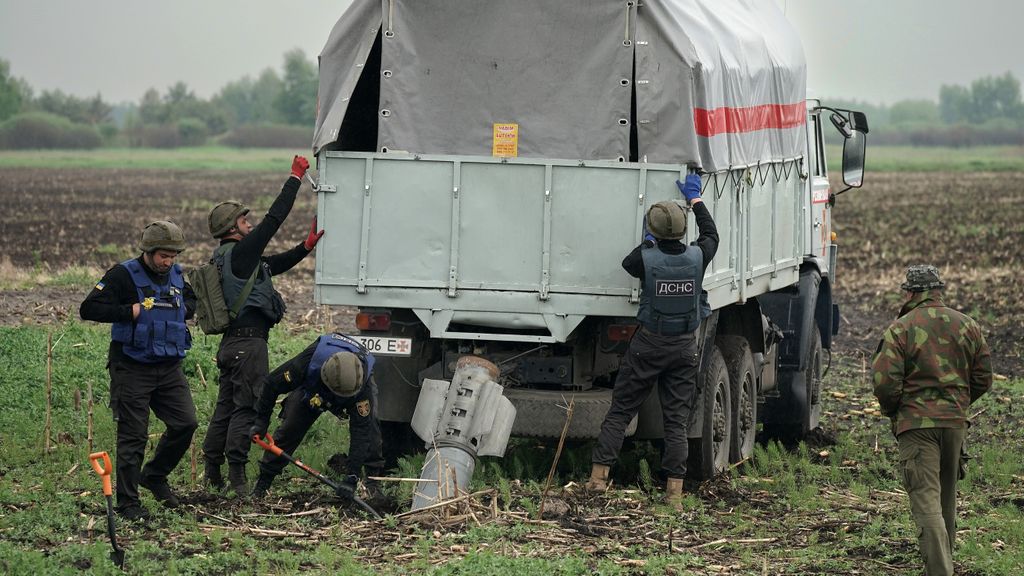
(390, 32)
(626, 41)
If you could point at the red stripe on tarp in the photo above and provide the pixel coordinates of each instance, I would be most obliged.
(738, 120)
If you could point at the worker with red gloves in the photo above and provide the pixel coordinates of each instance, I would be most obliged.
(247, 274)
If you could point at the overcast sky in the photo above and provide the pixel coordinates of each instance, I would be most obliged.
(874, 50)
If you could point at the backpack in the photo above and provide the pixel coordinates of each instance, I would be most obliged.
(212, 312)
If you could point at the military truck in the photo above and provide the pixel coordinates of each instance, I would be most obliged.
(485, 166)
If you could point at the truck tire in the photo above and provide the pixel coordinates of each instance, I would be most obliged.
(743, 392)
(716, 427)
(798, 410)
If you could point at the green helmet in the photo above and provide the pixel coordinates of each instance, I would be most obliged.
(224, 216)
(666, 220)
(921, 278)
(162, 235)
(342, 373)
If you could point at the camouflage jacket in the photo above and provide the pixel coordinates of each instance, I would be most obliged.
(931, 364)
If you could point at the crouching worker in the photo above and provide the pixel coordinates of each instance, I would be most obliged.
(334, 374)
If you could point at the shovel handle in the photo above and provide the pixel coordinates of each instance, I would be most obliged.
(267, 444)
(103, 469)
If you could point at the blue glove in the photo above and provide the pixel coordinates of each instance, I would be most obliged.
(691, 189)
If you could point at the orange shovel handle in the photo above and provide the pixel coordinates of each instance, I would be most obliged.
(267, 444)
(103, 469)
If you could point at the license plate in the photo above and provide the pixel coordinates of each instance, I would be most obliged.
(386, 346)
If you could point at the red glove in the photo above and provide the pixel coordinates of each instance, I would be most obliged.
(299, 167)
(314, 236)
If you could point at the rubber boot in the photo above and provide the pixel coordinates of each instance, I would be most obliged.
(674, 493)
(236, 478)
(214, 480)
(598, 478)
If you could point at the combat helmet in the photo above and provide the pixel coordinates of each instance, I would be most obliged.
(666, 220)
(162, 235)
(921, 278)
(224, 216)
(342, 373)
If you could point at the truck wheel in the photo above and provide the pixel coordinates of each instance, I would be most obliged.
(811, 410)
(743, 392)
(798, 410)
(717, 411)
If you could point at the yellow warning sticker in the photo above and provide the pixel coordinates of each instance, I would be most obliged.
(506, 141)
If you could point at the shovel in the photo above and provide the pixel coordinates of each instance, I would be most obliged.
(117, 556)
(341, 491)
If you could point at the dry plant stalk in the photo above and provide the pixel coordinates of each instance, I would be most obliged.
(202, 378)
(88, 420)
(192, 450)
(558, 454)
(49, 378)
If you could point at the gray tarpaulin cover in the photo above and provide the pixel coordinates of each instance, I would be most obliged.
(717, 83)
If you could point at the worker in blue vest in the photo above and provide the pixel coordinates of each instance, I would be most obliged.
(664, 350)
(334, 374)
(147, 300)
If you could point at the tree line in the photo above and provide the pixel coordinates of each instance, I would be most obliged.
(273, 109)
(278, 108)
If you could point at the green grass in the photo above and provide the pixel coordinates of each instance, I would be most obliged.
(201, 158)
(934, 159)
(837, 509)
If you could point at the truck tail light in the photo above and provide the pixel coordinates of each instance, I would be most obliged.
(621, 332)
(373, 321)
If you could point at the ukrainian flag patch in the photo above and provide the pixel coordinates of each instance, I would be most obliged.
(100, 285)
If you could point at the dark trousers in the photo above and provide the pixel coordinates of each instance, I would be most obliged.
(298, 417)
(243, 366)
(135, 389)
(670, 362)
(931, 461)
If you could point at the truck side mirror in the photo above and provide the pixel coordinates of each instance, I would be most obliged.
(853, 159)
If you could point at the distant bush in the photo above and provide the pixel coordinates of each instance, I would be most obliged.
(159, 136)
(958, 136)
(185, 132)
(193, 131)
(36, 130)
(268, 136)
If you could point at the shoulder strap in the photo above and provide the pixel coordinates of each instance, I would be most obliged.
(245, 291)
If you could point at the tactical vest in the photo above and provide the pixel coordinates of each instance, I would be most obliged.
(159, 333)
(315, 392)
(670, 296)
(263, 297)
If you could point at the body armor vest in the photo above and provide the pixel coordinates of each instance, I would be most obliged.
(159, 333)
(263, 297)
(670, 297)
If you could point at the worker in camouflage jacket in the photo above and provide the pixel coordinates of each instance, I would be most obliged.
(931, 364)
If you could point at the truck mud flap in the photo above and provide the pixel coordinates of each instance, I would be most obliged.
(542, 413)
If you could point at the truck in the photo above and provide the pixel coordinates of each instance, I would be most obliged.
(483, 168)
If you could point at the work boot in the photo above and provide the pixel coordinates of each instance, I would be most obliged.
(259, 491)
(674, 493)
(236, 478)
(598, 478)
(133, 512)
(161, 491)
(214, 480)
